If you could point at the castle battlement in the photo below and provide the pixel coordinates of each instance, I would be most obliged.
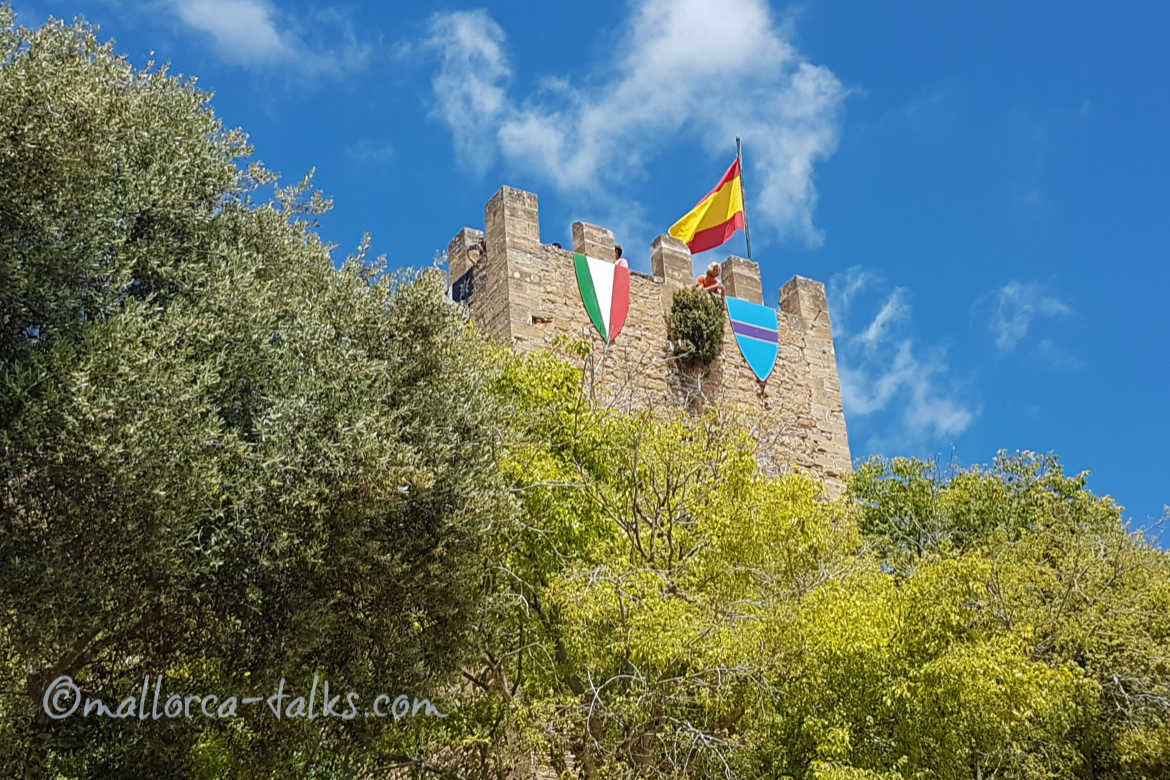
(524, 292)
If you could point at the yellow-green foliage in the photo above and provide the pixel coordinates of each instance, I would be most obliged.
(671, 611)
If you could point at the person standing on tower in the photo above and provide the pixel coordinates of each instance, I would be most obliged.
(710, 280)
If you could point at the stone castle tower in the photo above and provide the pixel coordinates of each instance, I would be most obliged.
(524, 293)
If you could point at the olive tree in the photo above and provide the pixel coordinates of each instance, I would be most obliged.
(222, 459)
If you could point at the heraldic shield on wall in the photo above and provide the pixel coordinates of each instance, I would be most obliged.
(605, 291)
(756, 332)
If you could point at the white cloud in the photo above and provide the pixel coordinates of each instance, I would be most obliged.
(470, 88)
(251, 33)
(894, 310)
(843, 288)
(682, 69)
(1056, 357)
(244, 30)
(366, 151)
(882, 371)
(1013, 309)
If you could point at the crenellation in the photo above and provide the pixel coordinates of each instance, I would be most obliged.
(807, 299)
(741, 279)
(670, 261)
(464, 251)
(525, 294)
(593, 241)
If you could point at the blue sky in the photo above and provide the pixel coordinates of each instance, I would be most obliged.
(982, 186)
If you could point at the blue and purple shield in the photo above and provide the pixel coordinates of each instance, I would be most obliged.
(757, 333)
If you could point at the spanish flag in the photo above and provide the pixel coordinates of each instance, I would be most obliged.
(716, 217)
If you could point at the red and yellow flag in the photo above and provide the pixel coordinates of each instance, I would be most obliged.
(716, 217)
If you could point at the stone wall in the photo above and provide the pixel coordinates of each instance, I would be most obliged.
(524, 292)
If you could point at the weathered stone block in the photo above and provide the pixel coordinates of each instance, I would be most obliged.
(593, 241)
(741, 279)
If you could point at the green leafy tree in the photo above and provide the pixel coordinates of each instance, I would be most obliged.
(666, 610)
(221, 459)
(695, 325)
(1025, 557)
(632, 589)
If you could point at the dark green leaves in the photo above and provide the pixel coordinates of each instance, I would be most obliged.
(695, 325)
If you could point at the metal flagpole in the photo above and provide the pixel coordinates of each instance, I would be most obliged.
(747, 236)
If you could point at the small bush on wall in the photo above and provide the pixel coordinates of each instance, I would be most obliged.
(695, 325)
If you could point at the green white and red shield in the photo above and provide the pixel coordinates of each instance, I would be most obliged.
(605, 291)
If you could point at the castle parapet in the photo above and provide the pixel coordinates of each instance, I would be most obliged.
(524, 293)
